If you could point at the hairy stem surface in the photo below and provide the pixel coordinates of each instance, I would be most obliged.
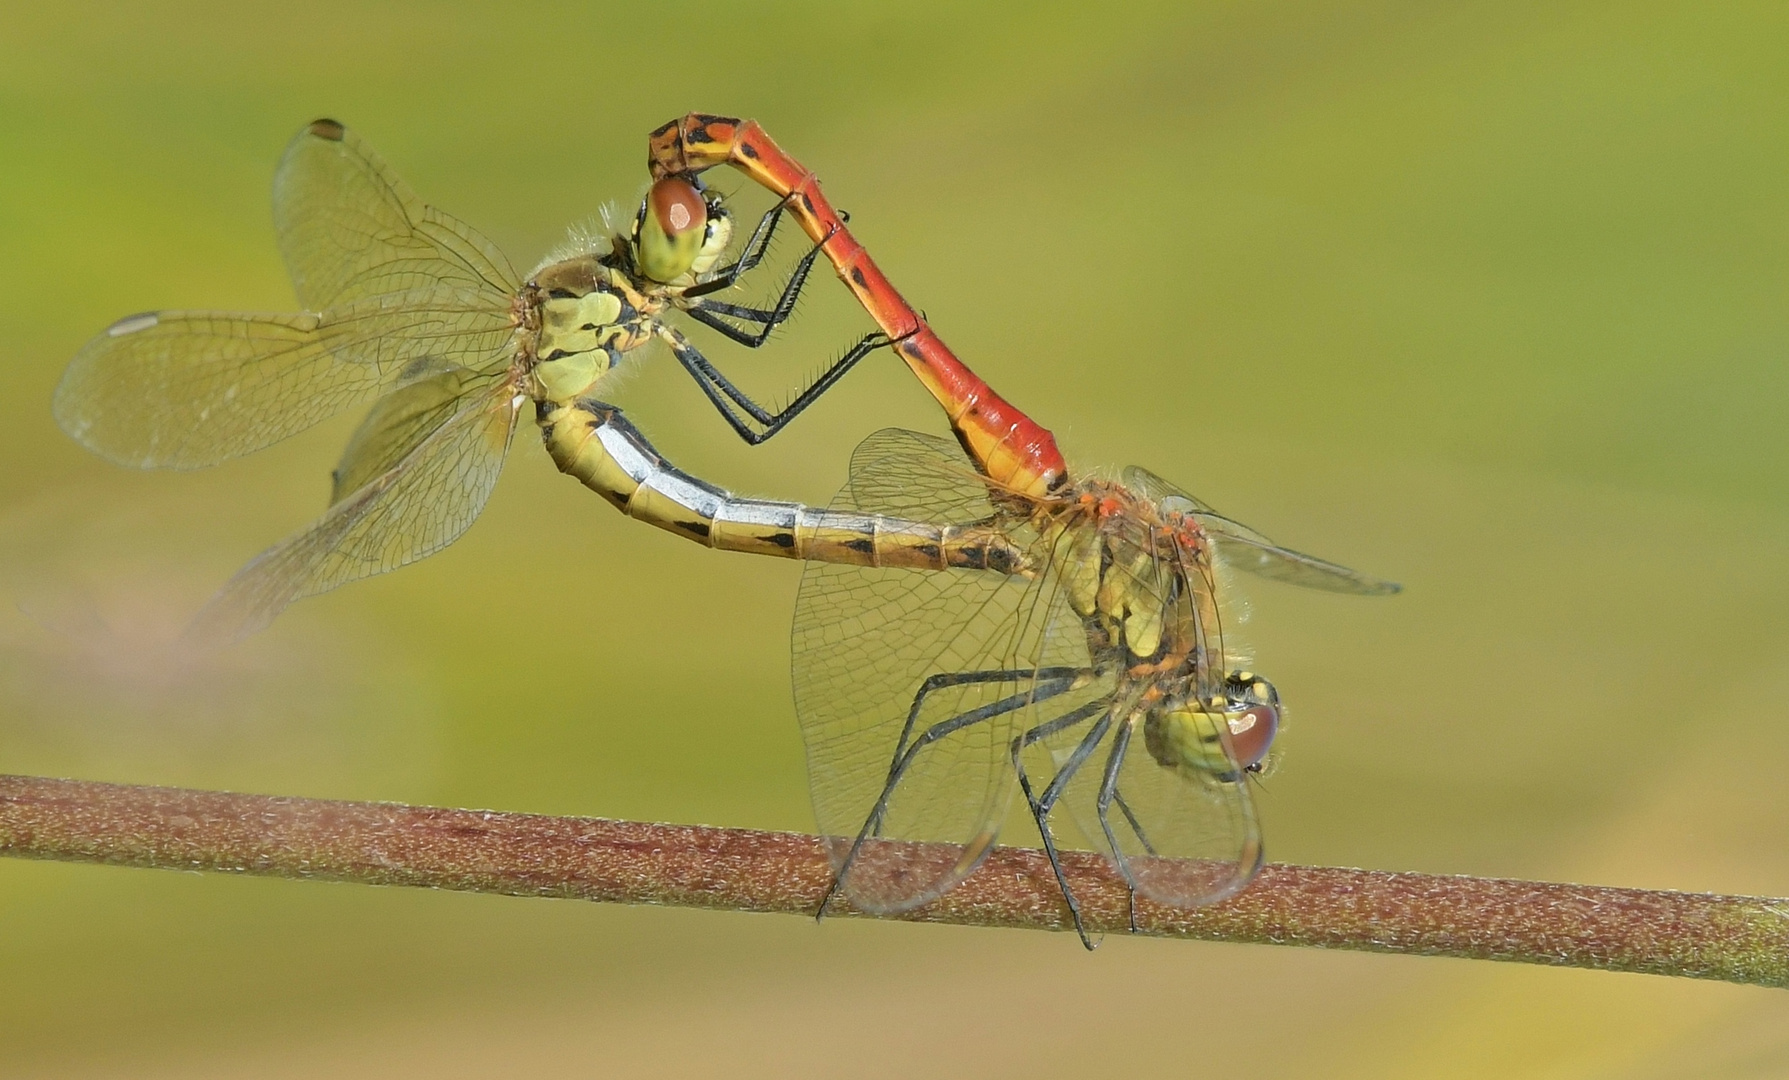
(1732, 938)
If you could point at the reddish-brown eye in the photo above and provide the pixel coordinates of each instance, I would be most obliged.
(1251, 733)
(677, 206)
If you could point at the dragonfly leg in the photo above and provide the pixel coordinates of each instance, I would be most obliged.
(756, 247)
(697, 142)
(1108, 794)
(1042, 805)
(726, 397)
(945, 679)
(1003, 440)
(904, 760)
(1044, 731)
(714, 313)
(1136, 826)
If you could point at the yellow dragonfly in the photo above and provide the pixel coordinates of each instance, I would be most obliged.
(413, 310)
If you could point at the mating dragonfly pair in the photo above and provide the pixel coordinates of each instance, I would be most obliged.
(972, 620)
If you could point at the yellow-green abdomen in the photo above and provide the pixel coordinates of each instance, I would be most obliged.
(594, 443)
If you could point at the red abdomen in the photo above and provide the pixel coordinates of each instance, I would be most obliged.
(1010, 447)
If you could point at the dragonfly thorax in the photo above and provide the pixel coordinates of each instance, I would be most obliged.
(1140, 581)
(585, 316)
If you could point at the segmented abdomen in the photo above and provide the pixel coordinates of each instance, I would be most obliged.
(593, 442)
(1010, 447)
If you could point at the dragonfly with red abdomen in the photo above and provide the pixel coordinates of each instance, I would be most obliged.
(1105, 679)
(1008, 445)
(415, 311)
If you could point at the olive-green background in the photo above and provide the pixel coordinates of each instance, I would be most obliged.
(1486, 297)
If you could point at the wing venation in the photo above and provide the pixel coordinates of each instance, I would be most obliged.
(414, 508)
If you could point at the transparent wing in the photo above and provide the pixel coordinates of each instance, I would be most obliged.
(399, 422)
(1180, 836)
(417, 506)
(386, 279)
(186, 389)
(909, 685)
(923, 477)
(1155, 489)
(349, 229)
(1245, 549)
(1241, 547)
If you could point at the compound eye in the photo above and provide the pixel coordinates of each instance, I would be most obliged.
(672, 228)
(678, 206)
(1251, 733)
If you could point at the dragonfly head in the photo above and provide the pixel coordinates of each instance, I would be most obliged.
(1224, 736)
(678, 230)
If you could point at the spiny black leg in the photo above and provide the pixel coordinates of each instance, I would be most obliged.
(707, 312)
(1044, 731)
(719, 388)
(749, 256)
(946, 679)
(714, 313)
(905, 759)
(733, 311)
(1108, 791)
(712, 381)
(1136, 826)
(1041, 806)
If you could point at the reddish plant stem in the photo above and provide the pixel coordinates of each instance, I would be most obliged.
(1733, 938)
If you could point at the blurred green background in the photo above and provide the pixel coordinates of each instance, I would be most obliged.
(1485, 297)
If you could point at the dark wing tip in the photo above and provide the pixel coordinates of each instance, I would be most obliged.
(327, 129)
